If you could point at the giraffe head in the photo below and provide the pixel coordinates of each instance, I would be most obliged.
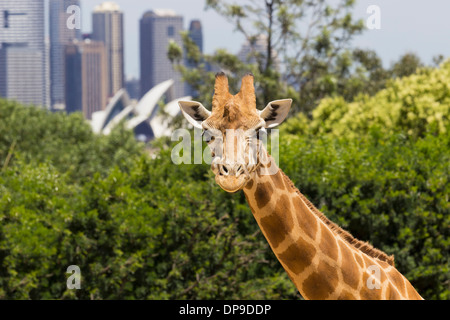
(232, 130)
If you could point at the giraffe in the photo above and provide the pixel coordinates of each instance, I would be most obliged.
(321, 259)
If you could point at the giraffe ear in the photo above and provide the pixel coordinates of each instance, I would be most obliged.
(275, 112)
(194, 112)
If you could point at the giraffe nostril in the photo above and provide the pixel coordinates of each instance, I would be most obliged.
(233, 170)
(224, 170)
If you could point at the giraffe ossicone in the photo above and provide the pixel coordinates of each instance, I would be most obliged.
(321, 259)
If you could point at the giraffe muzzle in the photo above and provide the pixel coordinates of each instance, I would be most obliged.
(231, 169)
(232, 177)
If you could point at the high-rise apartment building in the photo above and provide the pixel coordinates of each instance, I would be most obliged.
(86, 77)
(157, 29)
(23, 52)
(60, 35)
(107, 27)
(196, 33)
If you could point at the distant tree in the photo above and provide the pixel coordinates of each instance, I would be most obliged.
(65, 141)
(309, 40)
(406, 65)
(310, 57)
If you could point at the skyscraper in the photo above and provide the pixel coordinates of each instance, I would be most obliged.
(86, 77)
(23, 62)
(157, 29)
(60, 35)
(107, 27)
(196, 33)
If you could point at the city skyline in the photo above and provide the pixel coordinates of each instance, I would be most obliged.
(46, 59)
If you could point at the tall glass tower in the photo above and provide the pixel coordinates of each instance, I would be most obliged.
(157, 29)
(107, 27)
(60, 35)
(23, 61)
(196, 33)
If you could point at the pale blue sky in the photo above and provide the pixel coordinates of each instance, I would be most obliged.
(416, 26)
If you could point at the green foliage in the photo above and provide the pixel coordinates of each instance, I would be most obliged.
(65, 141)
(413, 105)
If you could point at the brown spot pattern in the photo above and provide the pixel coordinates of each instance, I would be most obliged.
(397, 280)
(278, 225)
(263, 194)
(321, 283)
(328, 244)
(298, 256)
(306, 219)
(392, 293)
(350, 270)
(366, 293)
(249, 185)
(359, 260)
(278, 181)
(370, 262)
(345, 295)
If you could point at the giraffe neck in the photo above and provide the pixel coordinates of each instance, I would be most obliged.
(321, 259)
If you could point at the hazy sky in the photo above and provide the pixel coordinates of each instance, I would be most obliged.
(416, 26)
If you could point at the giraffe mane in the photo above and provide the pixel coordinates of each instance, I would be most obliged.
(357, 244)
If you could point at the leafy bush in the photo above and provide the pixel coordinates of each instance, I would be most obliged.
(413, 105)
(67, 141)
(152, 233)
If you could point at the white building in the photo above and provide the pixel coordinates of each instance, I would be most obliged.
(143, 117)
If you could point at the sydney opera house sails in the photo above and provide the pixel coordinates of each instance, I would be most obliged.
(142, 116)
